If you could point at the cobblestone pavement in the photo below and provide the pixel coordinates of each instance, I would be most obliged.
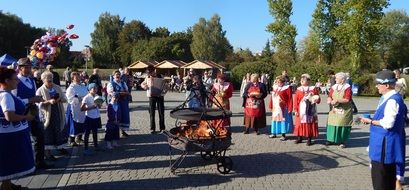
(142, 162)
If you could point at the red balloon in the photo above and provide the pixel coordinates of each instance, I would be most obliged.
(70, 26)
(74, 36)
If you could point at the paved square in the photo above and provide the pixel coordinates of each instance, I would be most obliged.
(142, 162)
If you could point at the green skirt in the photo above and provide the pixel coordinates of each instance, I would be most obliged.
(338, 134)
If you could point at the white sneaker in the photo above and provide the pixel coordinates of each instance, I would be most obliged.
(109, 145)
(115, 143)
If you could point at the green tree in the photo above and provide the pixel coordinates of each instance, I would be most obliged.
(267, 52)
(161, 32)
(394, 41)
(15, 35)
(359, 29)
(309, 48)
(209, 41)
(283, 39)
(155, 48)
(104, 40)
(181, 46)
(323, 25)
(131, 33)
(245, 55)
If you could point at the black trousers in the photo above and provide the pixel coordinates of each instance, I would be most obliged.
(37, 131)
(157, 102)
(383, 176)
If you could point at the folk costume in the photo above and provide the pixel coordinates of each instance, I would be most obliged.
(254, 110)
(26, 88)
(306, 122)
(222, 93)
(340, 116)
(281, 106)
(16, 158)
(112, 126)
(123, 102)
(75, 118)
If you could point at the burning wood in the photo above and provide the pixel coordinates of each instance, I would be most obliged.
(202, 130)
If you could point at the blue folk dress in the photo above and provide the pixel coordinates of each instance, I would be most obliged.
(123, 103)
(16, 153)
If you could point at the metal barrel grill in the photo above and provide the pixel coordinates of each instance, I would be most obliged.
(198, 130)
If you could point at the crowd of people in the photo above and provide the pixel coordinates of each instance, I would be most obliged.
(32, 104)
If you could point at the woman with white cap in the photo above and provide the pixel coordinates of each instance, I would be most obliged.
(306, 120)
(340, 116)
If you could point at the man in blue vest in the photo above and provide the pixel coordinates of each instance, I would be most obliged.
(26, 90)
(387, 133)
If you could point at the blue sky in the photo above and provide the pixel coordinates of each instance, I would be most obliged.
(244, 21)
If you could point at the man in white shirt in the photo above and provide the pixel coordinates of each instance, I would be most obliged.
(387, 134)
(155, 95)
(26, 89)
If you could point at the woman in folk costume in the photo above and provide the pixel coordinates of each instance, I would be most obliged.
(340, 116)
(75, 118)
(196, 93)
(281, 105)
(119, 86)
(254, 109)
(306, 120)
(16, 153)
(52, 110)
(222, 91)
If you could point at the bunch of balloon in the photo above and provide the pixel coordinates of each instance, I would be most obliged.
(45, 49)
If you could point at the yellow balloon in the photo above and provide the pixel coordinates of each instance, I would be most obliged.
(40, 55)
(33, 52)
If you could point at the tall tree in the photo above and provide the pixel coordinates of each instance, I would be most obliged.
(359, 29)
(267, 52)
(104, 40)
(131, 33)
(323, 26)
(209, 41)
(394, 41)
(283, 31)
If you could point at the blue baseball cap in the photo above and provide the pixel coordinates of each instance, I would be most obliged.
(92, 85)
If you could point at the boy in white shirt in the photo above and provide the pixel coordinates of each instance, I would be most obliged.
(93, 118)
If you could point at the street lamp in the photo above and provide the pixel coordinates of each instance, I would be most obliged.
(87, 55)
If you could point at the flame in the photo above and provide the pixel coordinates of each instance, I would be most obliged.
(203, 130)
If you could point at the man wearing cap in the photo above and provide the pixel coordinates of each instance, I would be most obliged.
(56, 76)
(387, 135)
(26, 90)
(155, 95)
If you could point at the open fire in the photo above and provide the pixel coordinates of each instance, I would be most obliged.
(201, 130)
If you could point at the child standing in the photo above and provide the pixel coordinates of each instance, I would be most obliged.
(112, 126)
(105, 92)
(93, 118)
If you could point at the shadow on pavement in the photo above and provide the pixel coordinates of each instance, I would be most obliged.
(245, 166)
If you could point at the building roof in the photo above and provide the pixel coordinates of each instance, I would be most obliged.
(142, 64)
(170, 64)
(197, 64)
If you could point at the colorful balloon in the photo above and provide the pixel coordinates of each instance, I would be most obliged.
(70, 26)
(74, 36)
(40, 55)
(33, 52)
